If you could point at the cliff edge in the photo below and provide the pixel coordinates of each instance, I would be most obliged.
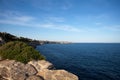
(33, 70)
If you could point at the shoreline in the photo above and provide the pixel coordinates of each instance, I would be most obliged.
(34, 44)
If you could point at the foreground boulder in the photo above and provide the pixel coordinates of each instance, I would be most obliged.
(12, 70)
(34, 70)
(42, 64)
(57, 75)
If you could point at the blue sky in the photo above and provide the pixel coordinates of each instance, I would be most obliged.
(62, 20)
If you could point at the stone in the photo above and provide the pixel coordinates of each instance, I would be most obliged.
(41, 64)
(10, 69)
(30, 70)
(1, 78)
(18, 67)
(18, 71)
(57, 75)
(7, 63)
(18, 76)
(4, 72)
(34, 78)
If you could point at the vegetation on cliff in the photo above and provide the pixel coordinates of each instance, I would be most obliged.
(19, 51)
(9, 37)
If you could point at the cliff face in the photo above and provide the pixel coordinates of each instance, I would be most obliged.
(33, 70)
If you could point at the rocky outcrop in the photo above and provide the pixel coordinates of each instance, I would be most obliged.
(56, 75)
(34, 70)
(42, 64)
(12, 70)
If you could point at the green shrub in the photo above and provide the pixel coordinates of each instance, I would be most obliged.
(19, 51)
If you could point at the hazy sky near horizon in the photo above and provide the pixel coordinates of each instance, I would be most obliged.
(62, 20)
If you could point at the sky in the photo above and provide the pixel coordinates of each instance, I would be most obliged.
(62, 20)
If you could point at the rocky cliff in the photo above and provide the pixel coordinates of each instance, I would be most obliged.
(33, 70)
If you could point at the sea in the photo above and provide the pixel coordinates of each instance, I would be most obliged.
(89, 61)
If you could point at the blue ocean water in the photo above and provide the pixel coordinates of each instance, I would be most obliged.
(89, 61)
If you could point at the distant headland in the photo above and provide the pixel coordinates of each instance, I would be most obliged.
(6, 37)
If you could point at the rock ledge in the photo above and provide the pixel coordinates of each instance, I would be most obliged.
(34, 70)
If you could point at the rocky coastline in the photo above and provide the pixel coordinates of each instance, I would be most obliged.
(33, 70)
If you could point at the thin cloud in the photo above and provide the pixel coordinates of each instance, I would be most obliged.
(24, 18)
(13, 22)
(16, 16)
(101, 16)
(59, 27)
(55, 19)
(113, 28)
(98, 23)
(29, 21)
(45, 25)
(16, 19)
